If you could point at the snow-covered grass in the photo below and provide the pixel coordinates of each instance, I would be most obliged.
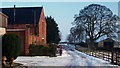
(68, 58)
(44, 60)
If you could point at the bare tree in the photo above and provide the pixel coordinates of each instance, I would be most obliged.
(97, 21)
(70, 38)
(78, 33)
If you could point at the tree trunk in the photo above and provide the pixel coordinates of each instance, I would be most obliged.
(92, 44)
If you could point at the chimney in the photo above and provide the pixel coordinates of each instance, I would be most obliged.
(14, 17)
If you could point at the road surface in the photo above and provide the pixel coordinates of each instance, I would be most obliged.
(70, 57)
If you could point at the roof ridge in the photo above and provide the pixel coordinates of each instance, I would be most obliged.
(22, 7)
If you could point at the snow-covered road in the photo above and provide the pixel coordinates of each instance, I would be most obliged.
(68, 58)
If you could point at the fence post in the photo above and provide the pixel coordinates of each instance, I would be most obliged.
(95, 53)
(103, 55)
(116, 57)
(92, 53)
(112, 57)
(99, 54)
(109, 56)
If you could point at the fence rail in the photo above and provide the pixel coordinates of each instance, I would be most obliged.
(111, 56)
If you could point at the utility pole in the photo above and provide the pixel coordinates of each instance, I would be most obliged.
(34, 26)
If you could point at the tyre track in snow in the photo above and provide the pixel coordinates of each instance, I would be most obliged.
(85, 58)
(76, 60)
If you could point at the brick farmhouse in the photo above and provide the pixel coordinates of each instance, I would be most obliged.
(29, 23)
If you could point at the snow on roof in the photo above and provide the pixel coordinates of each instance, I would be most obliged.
(103, 38)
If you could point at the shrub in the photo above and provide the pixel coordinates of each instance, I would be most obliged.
(31, 46)
(43, 50)
(52, 49)
(39, 50)
(40, 46)
(11, 45)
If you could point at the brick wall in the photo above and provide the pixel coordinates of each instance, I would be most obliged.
(32, 34)
(42, 28)
(22, 35)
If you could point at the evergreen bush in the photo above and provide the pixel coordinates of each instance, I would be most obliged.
(11, 46)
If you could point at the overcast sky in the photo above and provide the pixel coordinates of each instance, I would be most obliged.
(62, 12)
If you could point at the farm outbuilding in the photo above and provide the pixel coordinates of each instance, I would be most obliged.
(107, 43)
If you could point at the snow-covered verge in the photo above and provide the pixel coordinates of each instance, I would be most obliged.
(44, 60)
(93, 61)
(69, 58)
